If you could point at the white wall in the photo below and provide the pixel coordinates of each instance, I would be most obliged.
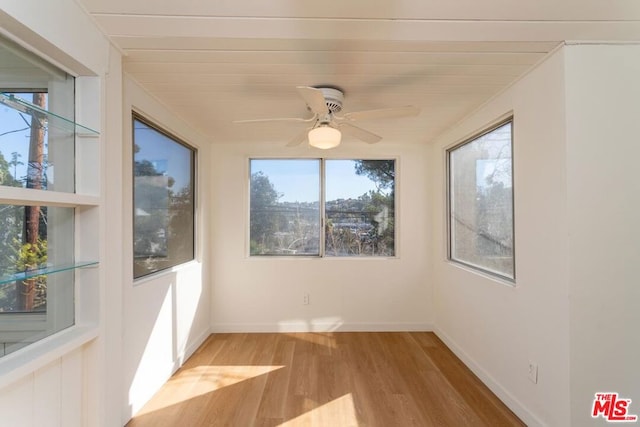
(574, 309)
(603, 150)
(65, 382)
(495, 327)
(143, 331)
(166, 315)
(258, 294)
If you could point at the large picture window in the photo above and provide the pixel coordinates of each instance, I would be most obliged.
(315, 207)
(163, 193)
(481, 202)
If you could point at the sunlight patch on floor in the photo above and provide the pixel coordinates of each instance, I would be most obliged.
(190, 383)
(338, 412)
(318, 338)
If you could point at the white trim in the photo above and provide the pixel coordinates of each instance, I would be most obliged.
(311, 326)
(500, 391)
(190, 349)
(32, 197)
(151, 277)
(23, 362)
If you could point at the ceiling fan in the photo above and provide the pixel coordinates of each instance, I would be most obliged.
(327, 125)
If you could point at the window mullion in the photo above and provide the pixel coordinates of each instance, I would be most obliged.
(323, 212)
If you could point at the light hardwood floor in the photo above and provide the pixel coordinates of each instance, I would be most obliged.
(324, 379)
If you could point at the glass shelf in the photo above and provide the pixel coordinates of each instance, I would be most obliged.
(50, 118)
(44, 271)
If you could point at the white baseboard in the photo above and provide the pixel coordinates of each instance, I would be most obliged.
(190, 349)
(503, 394)
(162, 374)
(319, 327)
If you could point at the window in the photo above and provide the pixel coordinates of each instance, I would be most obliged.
(163, 193)
(315, 207)
(38, 141)
(481, 202)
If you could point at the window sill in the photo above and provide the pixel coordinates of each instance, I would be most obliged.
(25, 361)
(151, 277)
(503, 280)
(318, 257)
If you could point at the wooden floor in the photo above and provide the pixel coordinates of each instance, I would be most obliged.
(324, 379)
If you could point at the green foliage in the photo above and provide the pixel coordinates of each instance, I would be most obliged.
(265, 218)
(163, 233)
(263, 192)
(145, 168)
(362, 226)
(6, 178)
(30, 256)
(382, 172)
(26, 256)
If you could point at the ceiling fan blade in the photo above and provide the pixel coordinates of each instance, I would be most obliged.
(314, 99)
(384, 113)
(364, 135)
(276, 119)
(298, 139)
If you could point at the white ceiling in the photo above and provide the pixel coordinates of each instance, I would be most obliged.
(212, 62)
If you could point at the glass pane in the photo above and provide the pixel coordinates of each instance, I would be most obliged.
(285, 207)
(360, 207)
(34, 152)
(163, 230)
(35, 240)
(481, 205)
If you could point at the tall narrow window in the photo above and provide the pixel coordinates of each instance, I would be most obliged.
(163, 193)
(38, 215)
(316, 207)
(481, 202)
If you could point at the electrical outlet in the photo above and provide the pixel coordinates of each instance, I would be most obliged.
(305, 298)
(533, 372)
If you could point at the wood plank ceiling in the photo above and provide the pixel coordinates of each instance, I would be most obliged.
(213, 62)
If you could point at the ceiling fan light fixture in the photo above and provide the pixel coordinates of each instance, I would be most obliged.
(324, 137)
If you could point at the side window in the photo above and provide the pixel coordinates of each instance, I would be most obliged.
(480, 202)
(163, 194)
(316, 207)
(38, 204)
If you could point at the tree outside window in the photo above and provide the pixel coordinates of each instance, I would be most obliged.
(163, 178)
(481, 202)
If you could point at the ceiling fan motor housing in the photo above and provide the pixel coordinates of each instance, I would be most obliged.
(333, 97)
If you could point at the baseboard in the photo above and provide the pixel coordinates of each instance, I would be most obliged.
(190, 349)
(319, 327)
(164, 373)
(503, 394)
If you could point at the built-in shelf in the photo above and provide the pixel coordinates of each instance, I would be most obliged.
(52, 119)
(44, 271)
(32, 197)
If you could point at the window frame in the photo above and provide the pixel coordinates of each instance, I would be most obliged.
(84, 198)
(511, 280)
(137, 116)
(322, 201)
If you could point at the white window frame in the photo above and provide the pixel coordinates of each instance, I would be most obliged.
(140, 117)
(322, 200)
(509, 279)
(85, 244)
